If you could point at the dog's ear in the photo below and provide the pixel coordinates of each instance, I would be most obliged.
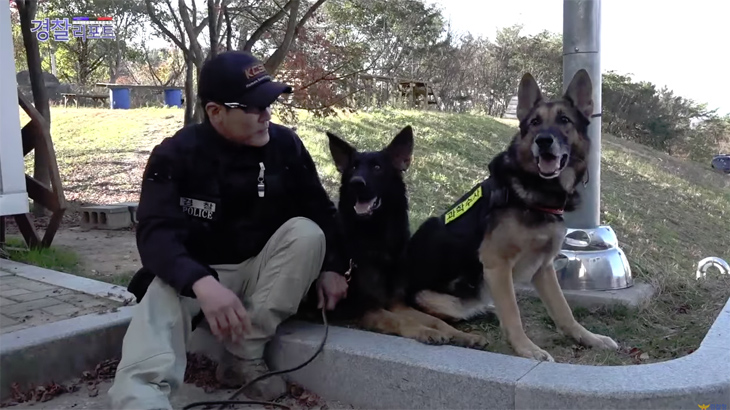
(341, 151)
(528, 95)
(580, 92)
(400, 149)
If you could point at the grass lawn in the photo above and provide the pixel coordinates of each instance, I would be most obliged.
(668, 213)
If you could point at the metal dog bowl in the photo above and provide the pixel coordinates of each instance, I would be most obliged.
(590, 259)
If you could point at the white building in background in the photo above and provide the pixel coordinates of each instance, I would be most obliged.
(13, 194)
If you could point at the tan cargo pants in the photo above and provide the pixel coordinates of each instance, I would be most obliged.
(271, 286)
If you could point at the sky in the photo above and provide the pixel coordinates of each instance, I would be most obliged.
(680, 44)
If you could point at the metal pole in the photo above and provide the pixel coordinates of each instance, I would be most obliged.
(590, 258)
(581, 49)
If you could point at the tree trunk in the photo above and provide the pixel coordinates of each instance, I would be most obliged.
(213, 28)
(27, 10)
(190, 98)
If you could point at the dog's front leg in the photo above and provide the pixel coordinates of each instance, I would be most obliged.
(499, 279)
(546, 283)
(383, 321)
(457, 337)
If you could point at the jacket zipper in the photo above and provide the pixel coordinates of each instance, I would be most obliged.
(261, 187)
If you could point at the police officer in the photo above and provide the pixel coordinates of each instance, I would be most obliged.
(235, 224)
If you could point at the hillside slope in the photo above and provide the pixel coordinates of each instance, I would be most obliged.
(668, 213)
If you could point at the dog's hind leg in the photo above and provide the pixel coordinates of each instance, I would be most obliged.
(387, 322)
(458, 337)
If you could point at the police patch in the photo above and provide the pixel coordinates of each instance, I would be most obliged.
(198, 208)
(460, 208)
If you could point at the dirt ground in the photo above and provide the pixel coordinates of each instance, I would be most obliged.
(104, 254)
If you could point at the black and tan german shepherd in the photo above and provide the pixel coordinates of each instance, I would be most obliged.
(510, 227)
(373, 215)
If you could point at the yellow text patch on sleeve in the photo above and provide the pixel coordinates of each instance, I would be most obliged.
(463, 206)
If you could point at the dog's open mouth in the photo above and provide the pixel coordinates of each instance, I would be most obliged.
(367, 207)
(550, 165)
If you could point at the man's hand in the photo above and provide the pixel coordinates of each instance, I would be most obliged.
(222, 309)
(333, 286)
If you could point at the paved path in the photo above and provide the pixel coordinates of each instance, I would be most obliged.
(27, 303)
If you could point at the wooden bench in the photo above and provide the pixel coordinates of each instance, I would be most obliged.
(101, 98)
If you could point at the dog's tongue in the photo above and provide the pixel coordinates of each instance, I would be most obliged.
(364, 207)
(548, 166)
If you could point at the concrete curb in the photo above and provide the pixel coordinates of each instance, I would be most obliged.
(39, 354)
(393, 372)
(372, 370)
(73, 282)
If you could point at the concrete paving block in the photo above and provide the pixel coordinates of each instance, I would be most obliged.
(105, 217)
(633, 297)
(7, 302)
(37, 317)
(379, 371)
(25, 297)
(7, 321)
(51, 352)
(12, 292)
(702, 377)
(64, 280)
(31, 285)
(22, 308)
(62, 309)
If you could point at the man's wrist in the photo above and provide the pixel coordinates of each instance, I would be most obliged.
(202, 283)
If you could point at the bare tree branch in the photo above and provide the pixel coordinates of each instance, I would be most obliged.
(162, 27)
(178, 25)
(267, 24)
(196, 51)
(308, 15)
(273, 63)
(229, 29)
(149, 63)
(213, 32)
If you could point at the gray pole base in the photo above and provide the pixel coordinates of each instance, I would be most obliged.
(590, 259)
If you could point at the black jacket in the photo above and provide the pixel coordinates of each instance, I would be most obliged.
(200, 203)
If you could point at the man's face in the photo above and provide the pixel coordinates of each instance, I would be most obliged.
(248, 126)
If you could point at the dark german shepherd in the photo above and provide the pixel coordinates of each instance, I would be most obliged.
(373, 215)
(510, 227)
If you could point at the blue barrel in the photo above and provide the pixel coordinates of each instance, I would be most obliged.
(119, 98)
(173, 97)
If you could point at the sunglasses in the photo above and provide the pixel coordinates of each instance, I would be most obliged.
(247, 108)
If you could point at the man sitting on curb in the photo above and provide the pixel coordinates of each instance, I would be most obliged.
(234, 223)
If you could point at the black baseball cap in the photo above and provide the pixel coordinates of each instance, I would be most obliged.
(238, 76)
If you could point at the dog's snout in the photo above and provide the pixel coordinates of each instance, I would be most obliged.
(357, 181)
(544, 141)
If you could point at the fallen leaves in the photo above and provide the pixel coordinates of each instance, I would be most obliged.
(637, 356)
(305, 398)
(38, 394)
(200, 371)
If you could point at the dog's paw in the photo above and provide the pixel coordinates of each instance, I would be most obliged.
(534, 352)
(431, 336)
(597, 341)
(471, 341)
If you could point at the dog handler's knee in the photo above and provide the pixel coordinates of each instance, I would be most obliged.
(306, 230)
(308, 239)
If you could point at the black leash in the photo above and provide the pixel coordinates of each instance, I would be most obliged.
(231, 400)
